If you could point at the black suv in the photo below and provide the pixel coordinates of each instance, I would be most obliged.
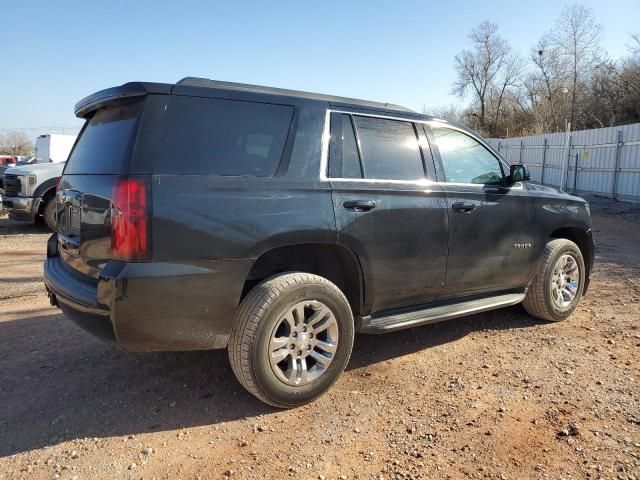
(277, 223)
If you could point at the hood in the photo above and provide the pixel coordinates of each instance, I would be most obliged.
(551, 191)
(50, 169)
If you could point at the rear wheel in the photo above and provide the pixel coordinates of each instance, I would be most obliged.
(49, 214)
(557, 289)
(291, 339)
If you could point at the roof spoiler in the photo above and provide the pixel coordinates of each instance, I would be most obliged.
(132, 89)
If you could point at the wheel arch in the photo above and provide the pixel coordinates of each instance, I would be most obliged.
(582, 238)
(334, 262)
(45, 191)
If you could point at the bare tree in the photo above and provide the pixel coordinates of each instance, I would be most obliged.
(576, 36)
(15, 142)
(634, 48)
(479, 67)
(567, 78)
(452, 113)
(615, 90)
(546, 85)
(509, 76)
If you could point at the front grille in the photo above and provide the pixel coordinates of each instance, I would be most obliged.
(11, 185)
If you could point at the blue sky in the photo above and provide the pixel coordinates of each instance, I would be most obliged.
(396, 51)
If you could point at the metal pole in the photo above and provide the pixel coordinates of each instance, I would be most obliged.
(575, 174)
(565, 160)
(521, 150)
(544, 159)
(615, 168)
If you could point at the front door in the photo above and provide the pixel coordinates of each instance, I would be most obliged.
(388, 208)
(490, 224)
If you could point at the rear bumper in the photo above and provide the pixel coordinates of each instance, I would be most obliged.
(21, 208)
(77, 300)
(150, 306)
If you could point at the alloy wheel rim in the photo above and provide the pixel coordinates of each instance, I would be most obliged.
(303, 343)
(565, 281)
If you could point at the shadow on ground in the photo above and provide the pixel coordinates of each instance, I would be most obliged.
(58, 383)
(8, 226)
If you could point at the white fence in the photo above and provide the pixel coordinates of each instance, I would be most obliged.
(604, 161)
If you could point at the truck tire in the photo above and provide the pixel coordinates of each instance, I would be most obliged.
(49, 214)
(557, 289)
(291, 339)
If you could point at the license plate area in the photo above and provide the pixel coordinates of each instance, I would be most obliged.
(73, 214)
(70, 221)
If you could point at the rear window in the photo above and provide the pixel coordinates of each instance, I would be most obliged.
(390, 149)
(203, 136)
(105, 142)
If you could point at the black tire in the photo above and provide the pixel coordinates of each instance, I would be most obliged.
(260, 313)
(539, 300)
(49, 214)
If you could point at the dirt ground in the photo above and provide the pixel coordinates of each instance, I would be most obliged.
(496, 395)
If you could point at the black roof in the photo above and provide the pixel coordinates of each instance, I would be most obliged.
(245, 87)
(135, 89)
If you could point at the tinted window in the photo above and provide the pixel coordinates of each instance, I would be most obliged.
(465, 160)
(343, 151)
(104, 144)
(389, 148)
(205, 136)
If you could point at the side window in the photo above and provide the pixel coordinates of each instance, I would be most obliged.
(206, 136)
(344, 161)
(390, 149)
(464, 159)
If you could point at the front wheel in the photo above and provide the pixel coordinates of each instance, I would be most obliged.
(291, 339)
(49, 214)
(557, 289)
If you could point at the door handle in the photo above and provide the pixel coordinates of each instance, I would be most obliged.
(359, 205)
(464, 207)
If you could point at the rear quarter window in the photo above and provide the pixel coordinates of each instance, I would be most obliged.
(203, 136)
(105, 142)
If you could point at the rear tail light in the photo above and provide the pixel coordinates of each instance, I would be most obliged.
(130, 220)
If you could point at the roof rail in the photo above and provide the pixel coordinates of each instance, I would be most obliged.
(206, 83)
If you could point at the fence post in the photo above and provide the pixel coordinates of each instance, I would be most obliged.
(521, 150)
(615, 168)
(575, 174)
(564, 176)
(544, 159)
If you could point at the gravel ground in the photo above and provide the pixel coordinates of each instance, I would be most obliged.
(496, 395)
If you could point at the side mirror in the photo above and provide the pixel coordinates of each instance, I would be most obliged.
(518, 173)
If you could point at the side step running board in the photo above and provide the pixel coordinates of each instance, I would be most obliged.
(380, 323)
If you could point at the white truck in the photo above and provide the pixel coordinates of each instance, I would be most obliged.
(29, 190)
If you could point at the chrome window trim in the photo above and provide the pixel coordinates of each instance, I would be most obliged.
(326, 136)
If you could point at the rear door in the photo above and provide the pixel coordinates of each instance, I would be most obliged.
(101, 156)
(490, 224)
(388, 209)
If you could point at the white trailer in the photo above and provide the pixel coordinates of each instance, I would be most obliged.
(53, 148)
